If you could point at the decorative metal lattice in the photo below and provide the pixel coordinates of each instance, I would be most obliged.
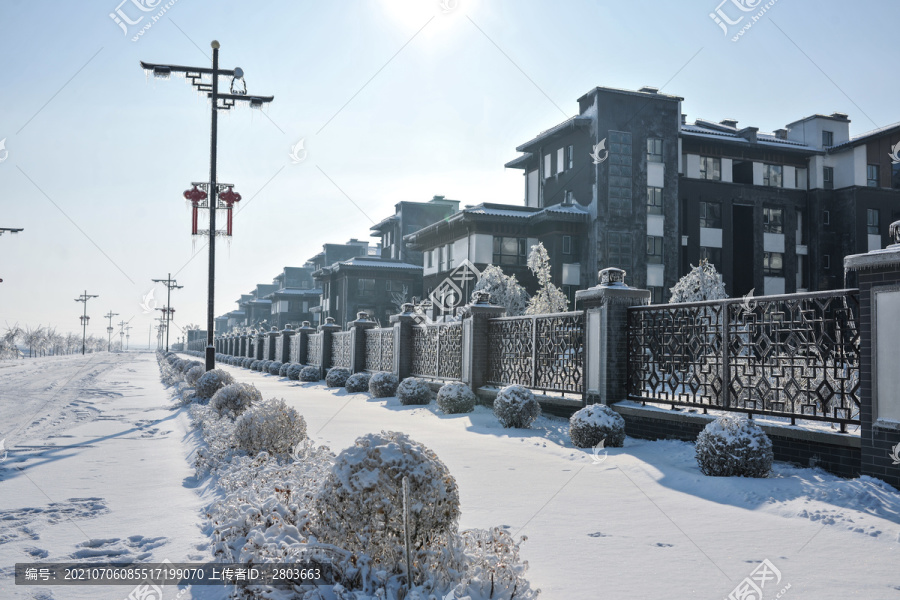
(437, 350)
(380, 349)
(313, 353)
(794, 356)
(295, 349)
(542, 352)
(341, 349)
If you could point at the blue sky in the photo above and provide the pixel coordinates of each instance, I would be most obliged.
(394, 99)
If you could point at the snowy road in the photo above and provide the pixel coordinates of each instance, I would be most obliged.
(97, 469)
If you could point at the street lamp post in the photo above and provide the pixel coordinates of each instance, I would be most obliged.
(167, 312)
(220, 101)
(109, 330)
(84, 318)
(170, 284)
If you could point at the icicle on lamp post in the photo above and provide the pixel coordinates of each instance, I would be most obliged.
(220, 101)
(84, 318)
(171, 284)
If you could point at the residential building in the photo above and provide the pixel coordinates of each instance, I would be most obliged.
(295, 297)
(407, 218)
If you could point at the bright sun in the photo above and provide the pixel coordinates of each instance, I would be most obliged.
(415, 13)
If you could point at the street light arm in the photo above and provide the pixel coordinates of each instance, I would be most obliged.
(180, 69)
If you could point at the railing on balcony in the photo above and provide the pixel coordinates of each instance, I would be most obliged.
(437, 350)
(541, 352)
(793, 355)
(380, 349)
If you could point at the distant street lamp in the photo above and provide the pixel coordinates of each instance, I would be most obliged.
(109, 330)
(220, 101)
(170, 284)
(84, 318)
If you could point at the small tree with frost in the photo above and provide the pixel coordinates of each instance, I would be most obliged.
(504, 289)
(549, 298)
(702, 283)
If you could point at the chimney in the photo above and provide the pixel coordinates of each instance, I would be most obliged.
(749, 134)
(437, 198)
(729, 122)
(781, 134)
(841, 116)
(684, 118)
(649, 90)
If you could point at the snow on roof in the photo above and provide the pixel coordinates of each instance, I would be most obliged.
(500, 212)
(379, 263)
(863, 136)
(296, 291)
(761, 138)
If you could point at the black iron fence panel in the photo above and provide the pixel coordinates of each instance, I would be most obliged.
(437, 350)
(380, 349)
(313, 350)
(793, 355)
(542, 352)
(295, 348)
(341, 349)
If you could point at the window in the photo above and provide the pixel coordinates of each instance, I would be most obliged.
(449, 256)
(366, 286)
(828, 178)
(826, 261)
(798, 179)
(509, 250)
(654, 201)
(773, 264)
(712, 255)
(567, 244)
(306, 306)
(773, 220)
(711, 215)
(430, 257)
(654, 249)
(387, 285)
(654, 150)
(826, 217)
(827, 138)
(895, 176)
(872, 175)
(440, 258)
(570, 157)
(547, 172)
(801, 230)
(772, 175)
(656, 294)
(560, 161)
(711, 168)
(872, 221)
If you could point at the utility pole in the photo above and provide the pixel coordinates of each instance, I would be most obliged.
(170, 284)
(220, 101)
(109, 330)
(84, 318)
(128, 336)
(121, 325)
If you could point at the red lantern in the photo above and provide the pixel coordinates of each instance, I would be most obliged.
(195, 195)
(230, 197)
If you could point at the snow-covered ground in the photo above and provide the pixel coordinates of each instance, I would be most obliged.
(634, 522)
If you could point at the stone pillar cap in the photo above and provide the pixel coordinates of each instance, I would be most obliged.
(611, 276)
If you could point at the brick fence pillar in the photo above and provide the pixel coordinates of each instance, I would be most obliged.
(606, 335)
(326, 330)
(259, 346)
(300, 344)
(283, 344)
(403, 342)
(475, 338)
(879, 332)
(358, 341)
(271, 342)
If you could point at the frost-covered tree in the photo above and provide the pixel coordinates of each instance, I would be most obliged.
(702, 283)
(549, 298)
(504, 289)
(8, 348)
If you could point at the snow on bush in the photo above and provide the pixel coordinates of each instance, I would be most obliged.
(504, 289)
(455, 398)
(235, 398)
(293, 371)
(383, 384)
(360, 508)
(594, 424)
(247, 363)
(211, 382)
(703, 282)
(358, 382)
(414, 390)
(515, 406)
(493, 567)
(734, 446)
(274, 367)
(263, 366)
(548, 298)
(254, 365)
(194, 375)
(337, 377)
(187, 365)
(283, 369)
(271, 426)
(310, 374)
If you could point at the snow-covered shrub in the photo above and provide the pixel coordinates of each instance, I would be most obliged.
(271, 426)
(247, 363)
(702, 283)
(504, 289)
(282, 371)
(734, 446)
(548, 298)
(263, 366)
(211, 382)
(360, 505)
(293, 372)
(190, 364)
(594, 424)
(414, 390)
(193, 375)
(358, 382)
(337, 377)
(493, 567)
(455, 398)
(254, 365)
(274, 367)
(515, 406)
(235, 398)
(310, 373)
(383, 384)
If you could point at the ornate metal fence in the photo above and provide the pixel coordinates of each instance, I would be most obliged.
(437, 350)
(313, 354)
(542, 352)
(380, 349)
(341, 349)
(295, 348)
(794, 356)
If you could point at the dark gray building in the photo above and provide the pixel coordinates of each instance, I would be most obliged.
(407, 218)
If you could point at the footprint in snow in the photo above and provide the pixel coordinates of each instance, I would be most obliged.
(662, 545)
(598, 534)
